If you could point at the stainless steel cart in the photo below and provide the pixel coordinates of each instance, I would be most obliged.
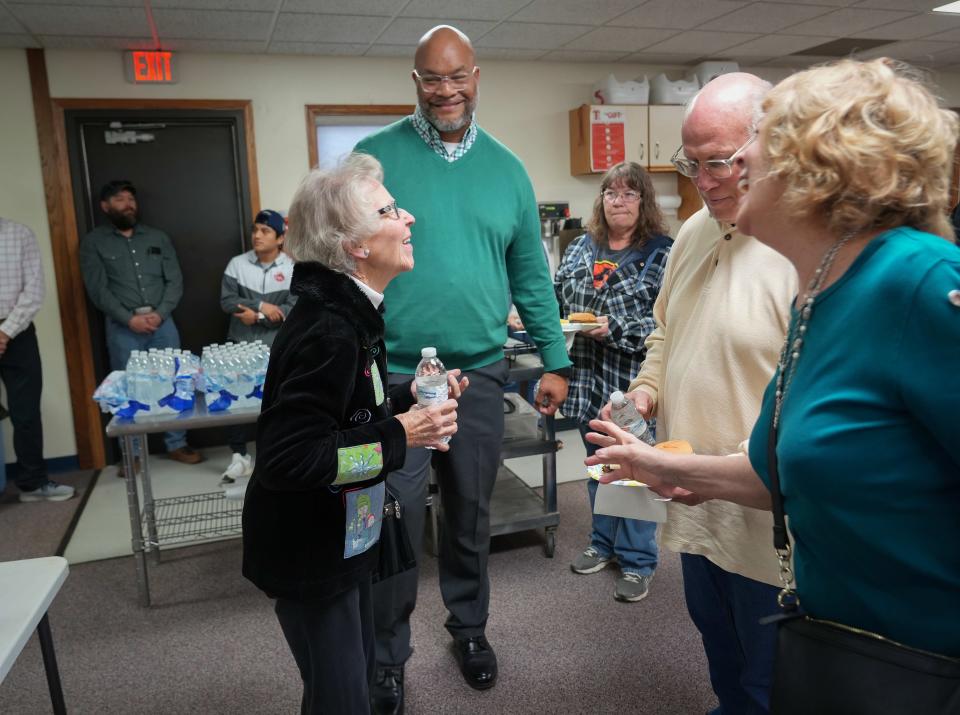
(174, 519)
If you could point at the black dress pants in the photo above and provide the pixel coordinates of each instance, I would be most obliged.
(333, 644)
(23, 379)
(466, 476)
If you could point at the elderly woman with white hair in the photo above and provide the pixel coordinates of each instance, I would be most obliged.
(326, 438)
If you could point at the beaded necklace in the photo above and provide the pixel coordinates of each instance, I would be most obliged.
(790, 353)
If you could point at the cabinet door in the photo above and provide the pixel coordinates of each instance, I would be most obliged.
(665, 121)
(636, 134)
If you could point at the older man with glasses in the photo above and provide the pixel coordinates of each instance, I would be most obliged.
(721, 317)
(478, 243)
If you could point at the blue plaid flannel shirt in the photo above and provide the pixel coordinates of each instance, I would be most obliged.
(627, 298)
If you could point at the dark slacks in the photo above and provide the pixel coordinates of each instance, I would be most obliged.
(726, 608)
(23, 379)
(332, 642)
(466, 475)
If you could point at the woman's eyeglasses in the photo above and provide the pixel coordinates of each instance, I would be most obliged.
(628, 197)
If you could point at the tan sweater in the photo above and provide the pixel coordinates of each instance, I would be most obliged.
(721, 318)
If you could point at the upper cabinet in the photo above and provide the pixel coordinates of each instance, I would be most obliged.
(603, 135)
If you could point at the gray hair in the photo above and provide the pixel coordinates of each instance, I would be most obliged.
(332, 213)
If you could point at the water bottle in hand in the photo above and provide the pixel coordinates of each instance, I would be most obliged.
(432, 388)
(626, 416)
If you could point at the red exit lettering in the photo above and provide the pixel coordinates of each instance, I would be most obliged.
(152, 66)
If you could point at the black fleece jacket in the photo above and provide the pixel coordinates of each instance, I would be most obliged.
(320, 399)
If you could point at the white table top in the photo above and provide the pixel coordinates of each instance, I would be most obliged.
(27, 588)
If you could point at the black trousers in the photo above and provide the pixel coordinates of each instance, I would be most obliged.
(466, 475)
(332, 642)
(23, 379)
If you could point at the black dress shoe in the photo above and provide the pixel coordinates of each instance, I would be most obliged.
(386, 694)
(478, 662)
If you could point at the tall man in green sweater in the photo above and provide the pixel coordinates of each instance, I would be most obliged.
(477, 243)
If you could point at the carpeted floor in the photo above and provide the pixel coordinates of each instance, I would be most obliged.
(211, 643)
(37, 529)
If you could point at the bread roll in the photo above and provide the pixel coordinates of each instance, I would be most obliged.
(680, 446)
(582, 318)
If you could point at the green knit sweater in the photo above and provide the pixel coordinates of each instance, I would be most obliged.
(476, 244)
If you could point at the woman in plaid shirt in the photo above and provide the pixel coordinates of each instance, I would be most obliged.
(614, 271)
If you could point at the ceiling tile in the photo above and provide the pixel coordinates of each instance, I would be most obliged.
(409, 30)
(212, 24)
(948, 36)
(9, 24)
(776, 45)
(581, 56)
(507, 53)
(299, 27)
(254, 5)
(86, 21)
(847, 22)
(706, 43)
(316, 48)
(574, 12)
(344, 7)
(184, 44)
(109, 3)
(799, 61)
(764, 17)
(532, 36)
(833, 3)
(677, 14)
(463, 9)
(627, 39)
(913, 27)
(392, 51)
(917, 5)
(17, 41)
(71, 42)
(664, 58)
(909, 50)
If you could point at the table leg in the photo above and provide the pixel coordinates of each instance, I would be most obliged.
(550, 468)
(149, 508)
(136, 530)
(50, 665)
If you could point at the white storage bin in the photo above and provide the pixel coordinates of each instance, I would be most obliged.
(665, 91)
(611, 91)
(706, 71)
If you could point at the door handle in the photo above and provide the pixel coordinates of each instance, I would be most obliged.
(641, 151)
(656, 150)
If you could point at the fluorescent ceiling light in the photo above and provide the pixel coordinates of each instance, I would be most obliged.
(952, 8)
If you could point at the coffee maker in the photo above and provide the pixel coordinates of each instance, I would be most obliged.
(553, 217)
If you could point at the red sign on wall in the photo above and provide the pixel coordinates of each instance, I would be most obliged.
(607, 145)
(149, 67)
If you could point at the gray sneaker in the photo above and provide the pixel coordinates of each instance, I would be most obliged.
(590, 561)
(51, 491)
(632, 587)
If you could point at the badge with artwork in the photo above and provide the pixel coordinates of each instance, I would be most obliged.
(364, 511)
(358, 463)
(377, 383)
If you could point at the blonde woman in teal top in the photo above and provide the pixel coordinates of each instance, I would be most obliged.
(849, 179)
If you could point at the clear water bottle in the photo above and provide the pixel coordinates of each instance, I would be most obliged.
(432, 388)
(626, 416)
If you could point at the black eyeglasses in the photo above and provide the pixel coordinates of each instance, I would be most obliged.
(390, 210)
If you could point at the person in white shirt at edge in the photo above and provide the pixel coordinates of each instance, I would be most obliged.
(255, 291)
(721, 315)
(21, 295)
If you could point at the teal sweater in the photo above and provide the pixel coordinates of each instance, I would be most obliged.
(476, 243)
(869, 445)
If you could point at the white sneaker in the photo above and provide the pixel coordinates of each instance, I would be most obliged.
(240, 466)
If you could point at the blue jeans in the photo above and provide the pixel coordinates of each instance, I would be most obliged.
(121, 341)
(632, 541)
(726, 608)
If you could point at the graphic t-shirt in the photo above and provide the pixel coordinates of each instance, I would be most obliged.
(606, 262)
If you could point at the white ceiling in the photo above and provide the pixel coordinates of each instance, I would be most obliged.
(645, 31)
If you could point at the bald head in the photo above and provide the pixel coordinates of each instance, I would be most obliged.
(442, 41)
(717, 123)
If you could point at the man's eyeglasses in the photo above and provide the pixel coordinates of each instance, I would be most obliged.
(628, 197)
(390, 210)
(716, 168)
(432, 82)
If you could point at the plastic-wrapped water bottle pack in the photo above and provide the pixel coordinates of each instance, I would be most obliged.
(233, 375)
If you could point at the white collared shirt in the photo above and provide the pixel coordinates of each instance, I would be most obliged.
(375, 298)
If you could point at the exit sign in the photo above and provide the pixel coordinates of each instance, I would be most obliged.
(149, 67)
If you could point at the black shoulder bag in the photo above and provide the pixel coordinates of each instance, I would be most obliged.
(396, 551)
(826, 668)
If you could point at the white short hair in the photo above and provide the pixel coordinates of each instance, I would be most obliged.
(332, 213)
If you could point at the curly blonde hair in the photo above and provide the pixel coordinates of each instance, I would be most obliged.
(862, 145)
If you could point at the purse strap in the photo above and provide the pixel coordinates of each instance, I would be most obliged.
(787, 598)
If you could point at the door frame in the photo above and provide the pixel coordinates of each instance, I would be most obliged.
(65, 241)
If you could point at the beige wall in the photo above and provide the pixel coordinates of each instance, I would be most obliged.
(22, 199)
(524, 104)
